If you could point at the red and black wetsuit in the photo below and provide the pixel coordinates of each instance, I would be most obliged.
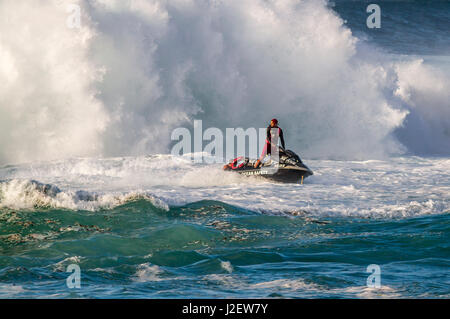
(267, 146)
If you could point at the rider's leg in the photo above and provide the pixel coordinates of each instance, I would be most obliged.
(263, 154)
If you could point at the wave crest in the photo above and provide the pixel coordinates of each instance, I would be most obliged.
(29, 194)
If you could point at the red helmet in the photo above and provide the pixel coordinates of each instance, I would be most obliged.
(275, 121)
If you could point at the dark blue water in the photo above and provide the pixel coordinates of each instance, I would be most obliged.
(407, 27)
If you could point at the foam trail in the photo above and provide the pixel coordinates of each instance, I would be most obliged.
(137, 69)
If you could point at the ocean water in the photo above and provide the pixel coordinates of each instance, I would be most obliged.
(86, 179)
(163, 227)
(407, 27)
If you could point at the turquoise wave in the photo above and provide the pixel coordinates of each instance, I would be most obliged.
(209, 249)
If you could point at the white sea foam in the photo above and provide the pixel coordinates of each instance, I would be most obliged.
(285, 285)
(300, 286)
(147, 272)
(62, 265)
(10, 290)
(396, 188)
(227, 266)
(369, 292)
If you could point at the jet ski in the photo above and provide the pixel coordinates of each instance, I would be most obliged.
(289, 168)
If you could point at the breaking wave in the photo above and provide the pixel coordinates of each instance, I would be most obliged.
(137, 69)
(29, 194)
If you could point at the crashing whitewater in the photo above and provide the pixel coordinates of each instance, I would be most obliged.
(135, 70)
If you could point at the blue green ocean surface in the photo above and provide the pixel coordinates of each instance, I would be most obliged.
(186, 238)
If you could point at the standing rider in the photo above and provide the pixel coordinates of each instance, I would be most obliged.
(271, 140)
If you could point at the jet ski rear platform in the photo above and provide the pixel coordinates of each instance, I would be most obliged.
(289, 169)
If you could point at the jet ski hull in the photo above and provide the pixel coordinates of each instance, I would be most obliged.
(282, 175)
